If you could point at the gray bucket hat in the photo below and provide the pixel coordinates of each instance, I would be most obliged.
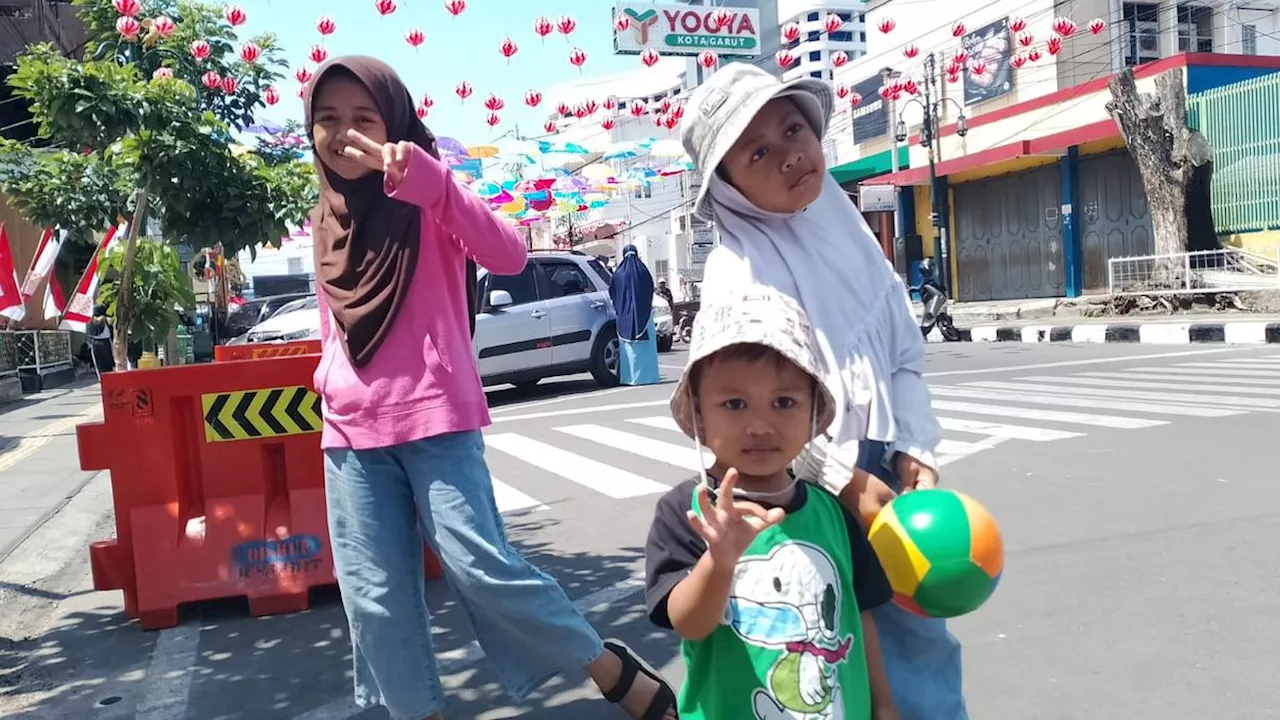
(756, 315)
(723, 106)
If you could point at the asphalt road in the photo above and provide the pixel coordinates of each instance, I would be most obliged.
(1134, 487)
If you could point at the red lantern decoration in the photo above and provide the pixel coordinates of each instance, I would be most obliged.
(978, 68)
(708, 59)
(670, 121)
(578, 58)
(910, 51)
(303, 75)
(1064, 26)
(1017, 24)
(325, 25)
(1018, 60)
(200, 50)
(549, 126)
(235, 16)
(637, 109)
(494, 103)
(127, 8)
(492, 119)
(1054, 46)
(415, 37)
(785, 58)
(163, 73)
(422, 112)
(957, 30)
(887, 25)
(665, 105)
(580, 112)
(164, 25)
(953, 77)
(621, 23)
(543, 27)
(855, 99)
(720, 19)
(463, 90)
(427, 102)
(533, 98)
(608, 124)
(678, 111)
(1034, 55)
(508, 48)
(657, 120)
(832, 23)
(839, 58)
(249, 52)
(318, 54)
(385, 7)
(910, 87)
(128, 27)
(229, 85)
(842, 91)
(566, 25)
(650, 57)
(271, 96)
(886, 92)
(455, 7)
(961, 57)
(1026, 39)
(564, 109)
(609, 103)
(302, 92)
(1097, 25)
(211, 79)
(790, 32)
(591, 106)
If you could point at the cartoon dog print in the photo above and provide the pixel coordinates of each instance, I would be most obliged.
(790, 600)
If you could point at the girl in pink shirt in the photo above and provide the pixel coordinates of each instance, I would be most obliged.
(395, 238)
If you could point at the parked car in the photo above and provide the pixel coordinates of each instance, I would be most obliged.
(243, 318)
(553, 319)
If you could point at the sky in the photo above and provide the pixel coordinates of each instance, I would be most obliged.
(456, 49)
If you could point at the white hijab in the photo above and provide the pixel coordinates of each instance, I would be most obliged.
(826, 257)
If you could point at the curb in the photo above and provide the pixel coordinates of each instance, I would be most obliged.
(1240, 332)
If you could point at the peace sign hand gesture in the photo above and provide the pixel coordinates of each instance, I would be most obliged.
(731, 525)
(392, 159)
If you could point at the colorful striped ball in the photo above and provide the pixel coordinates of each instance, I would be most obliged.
(941, 551)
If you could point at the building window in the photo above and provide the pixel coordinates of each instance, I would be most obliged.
(1195, 29)
(841, 36)
(817, 74)
(815, 56)
(1249, 39)
(815, 35)
(643, 192)
(862, 19)
(812, 17)
(793, 44)
(862, 37)
(661, 268)
(1142, 25)
(845, 16)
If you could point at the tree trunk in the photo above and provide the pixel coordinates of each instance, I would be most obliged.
(1167, 153)
(124, 297)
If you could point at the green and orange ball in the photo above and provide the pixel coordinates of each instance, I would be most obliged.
(941, 550)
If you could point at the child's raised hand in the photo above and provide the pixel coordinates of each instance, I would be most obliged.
(731, 525)
(389, 158)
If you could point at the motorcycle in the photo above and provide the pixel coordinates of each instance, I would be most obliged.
(933, 296)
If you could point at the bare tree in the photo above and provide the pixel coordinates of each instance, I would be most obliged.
(1167, 152)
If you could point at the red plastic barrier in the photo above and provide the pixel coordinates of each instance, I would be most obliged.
(227, 353)
(218, 487)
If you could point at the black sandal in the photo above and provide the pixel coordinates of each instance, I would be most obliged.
(632, 664)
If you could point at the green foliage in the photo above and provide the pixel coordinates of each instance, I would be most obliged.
(195, 21)
(157, 288)
(80, 193)
(283, 146)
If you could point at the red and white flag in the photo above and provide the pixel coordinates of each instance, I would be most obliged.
(79, 309)
(12, 305)
(41, 269)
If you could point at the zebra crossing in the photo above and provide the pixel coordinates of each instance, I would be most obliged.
(636, 452)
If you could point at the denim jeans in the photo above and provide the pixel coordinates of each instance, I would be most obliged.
(921, 657)
(381, 504)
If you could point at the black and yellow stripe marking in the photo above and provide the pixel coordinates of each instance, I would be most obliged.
(263, 413)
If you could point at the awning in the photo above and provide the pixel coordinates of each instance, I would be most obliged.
(870, 166)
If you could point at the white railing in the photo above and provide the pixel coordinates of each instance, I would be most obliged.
(1202, 271)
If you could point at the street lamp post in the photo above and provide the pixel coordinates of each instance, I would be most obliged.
(931, 109)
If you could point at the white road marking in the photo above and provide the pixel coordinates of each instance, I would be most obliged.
(591, 474)
(1223, 367)
(1013, 432)
(1092, 403)
(1259, 359)
(959, 448)
(1155, 396)
(1062, 416)
(1136, 385)
(511, 500)
(1189, 380)
(681, 456)
(167, 688)
(579, 411)
(661, 422)
(15, 450)
(1073, 363)
(566, 398)
(1219, 372)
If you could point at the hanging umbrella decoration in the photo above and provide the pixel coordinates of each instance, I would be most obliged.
(271, 96)
(326, 26)
(200, 50)
(550, 127)
(650, 57)
(708, 59)
(384, 7)
(318, 54)
(235, 16)
(832, 23)
(621, 23)
(492, 119)
(566, 25)
(463, 90)
(128, 27)
(493, 103)
(455, 7)
(533, 98)
(543, 27)
(508, 48)
(127, 8)
(415, 37)
(578, 58)
(163, 26)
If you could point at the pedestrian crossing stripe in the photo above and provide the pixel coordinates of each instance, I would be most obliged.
(262, 413)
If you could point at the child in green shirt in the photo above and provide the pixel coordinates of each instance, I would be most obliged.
(766, 578)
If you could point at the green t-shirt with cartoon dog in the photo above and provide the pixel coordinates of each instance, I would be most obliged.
(790, 644)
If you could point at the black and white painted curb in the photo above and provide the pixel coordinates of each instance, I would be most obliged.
(1234, 332)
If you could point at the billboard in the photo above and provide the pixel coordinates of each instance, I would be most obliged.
(870, 117)
(990, 46)
(686, 30)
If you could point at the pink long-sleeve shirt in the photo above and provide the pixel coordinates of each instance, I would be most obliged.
(423, 380)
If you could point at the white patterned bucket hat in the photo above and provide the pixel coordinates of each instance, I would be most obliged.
(757, 315)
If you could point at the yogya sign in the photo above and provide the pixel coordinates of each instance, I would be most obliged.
(686, 30)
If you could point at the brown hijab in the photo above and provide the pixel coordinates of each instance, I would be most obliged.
(366, 244)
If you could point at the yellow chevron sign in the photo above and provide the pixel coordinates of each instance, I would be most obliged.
(262, 413)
